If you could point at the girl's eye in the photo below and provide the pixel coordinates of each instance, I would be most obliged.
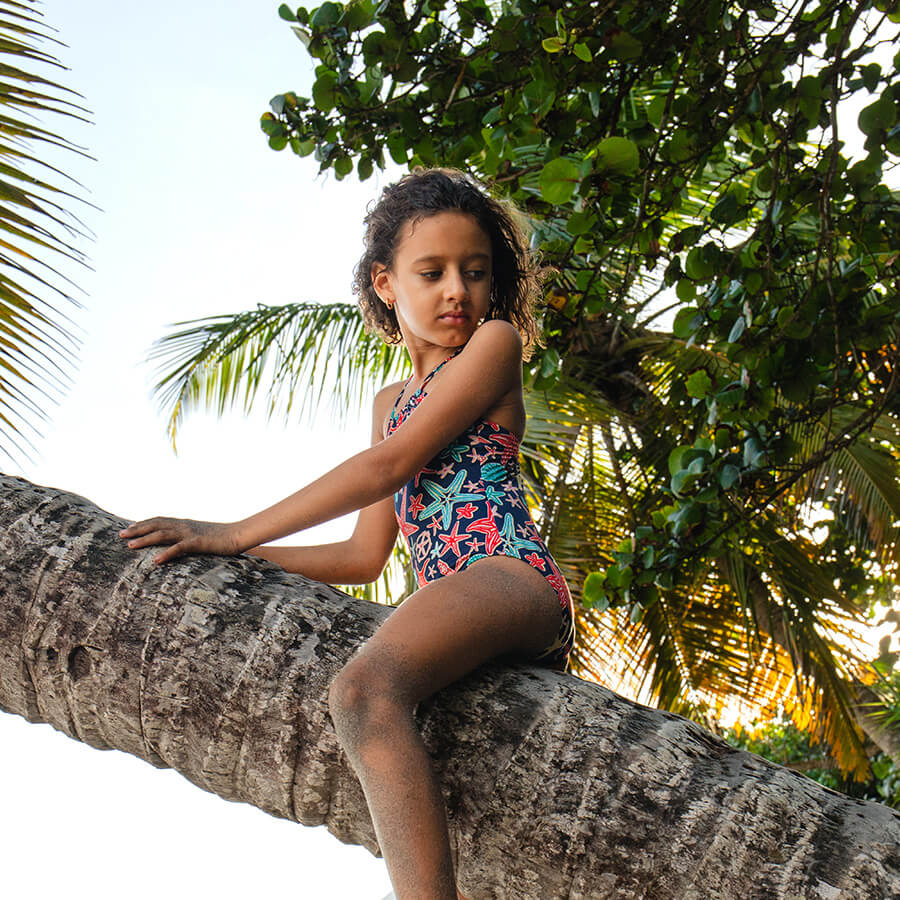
(476, 274)
(431, 276)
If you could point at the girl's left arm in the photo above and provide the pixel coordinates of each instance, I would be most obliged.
(486, 371)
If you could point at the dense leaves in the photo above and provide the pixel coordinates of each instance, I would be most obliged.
(718, 465)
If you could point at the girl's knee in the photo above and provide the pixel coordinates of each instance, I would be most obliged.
(367, 713)
(363, 690)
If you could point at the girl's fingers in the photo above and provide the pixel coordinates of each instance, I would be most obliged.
(172, 552)
(137, 529)
(181, 536)
(148, 540)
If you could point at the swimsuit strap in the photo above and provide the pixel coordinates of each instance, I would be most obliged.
(437, 369)
(425, 380)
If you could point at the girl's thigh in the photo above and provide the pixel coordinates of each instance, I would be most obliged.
(498, 606)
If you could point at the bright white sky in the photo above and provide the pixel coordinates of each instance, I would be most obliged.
(199, 217)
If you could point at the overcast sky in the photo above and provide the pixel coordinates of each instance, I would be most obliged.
(198, 217)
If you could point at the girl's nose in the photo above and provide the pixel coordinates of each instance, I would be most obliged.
(455, 285)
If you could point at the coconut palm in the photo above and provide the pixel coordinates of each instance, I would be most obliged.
(39, 232)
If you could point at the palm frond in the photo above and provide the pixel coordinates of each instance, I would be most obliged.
(36, 224)
(295, 352)
(858, 482)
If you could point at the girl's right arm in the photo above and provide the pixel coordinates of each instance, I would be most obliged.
(358, 560)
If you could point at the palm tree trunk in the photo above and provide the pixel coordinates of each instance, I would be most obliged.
(219, 668)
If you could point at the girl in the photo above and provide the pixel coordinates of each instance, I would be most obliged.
(445, 270)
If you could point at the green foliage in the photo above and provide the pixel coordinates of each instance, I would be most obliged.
(224, 360)
(36, 225)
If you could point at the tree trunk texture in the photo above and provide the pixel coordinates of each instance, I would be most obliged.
(555, 787)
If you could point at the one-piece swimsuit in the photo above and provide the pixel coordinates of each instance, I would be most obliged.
(467, 504)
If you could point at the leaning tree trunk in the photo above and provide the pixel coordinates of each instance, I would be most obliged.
(555, 788)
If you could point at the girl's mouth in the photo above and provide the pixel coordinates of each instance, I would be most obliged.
(458, 316)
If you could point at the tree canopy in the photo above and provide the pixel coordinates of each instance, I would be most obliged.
(713, 454)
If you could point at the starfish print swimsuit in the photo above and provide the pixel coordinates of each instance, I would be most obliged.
(467, 504)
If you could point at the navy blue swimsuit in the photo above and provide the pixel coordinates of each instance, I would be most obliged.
(467, 504)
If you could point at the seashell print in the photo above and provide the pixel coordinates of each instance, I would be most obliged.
(493, 472)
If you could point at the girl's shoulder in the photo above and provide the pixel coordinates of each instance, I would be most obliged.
(389, 393)
(497, 342)
(497, 331)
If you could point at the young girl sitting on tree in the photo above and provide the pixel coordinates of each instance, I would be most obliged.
(447, 271)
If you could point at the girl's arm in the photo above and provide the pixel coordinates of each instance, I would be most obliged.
(484, 373)
(362, 557)
(358, 560)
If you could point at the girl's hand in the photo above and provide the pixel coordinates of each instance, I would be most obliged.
(184, 536)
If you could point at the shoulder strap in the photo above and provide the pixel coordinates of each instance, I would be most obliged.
(438, 367)
(405, 383)
(425, 380)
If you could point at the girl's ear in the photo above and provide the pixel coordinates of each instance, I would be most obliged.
(381, 281)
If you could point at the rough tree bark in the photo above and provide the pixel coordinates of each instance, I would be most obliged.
(556, 788)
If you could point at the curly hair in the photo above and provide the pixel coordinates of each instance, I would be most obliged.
(515, 275)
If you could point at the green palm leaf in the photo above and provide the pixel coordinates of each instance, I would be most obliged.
(296, 350)
(36, 223)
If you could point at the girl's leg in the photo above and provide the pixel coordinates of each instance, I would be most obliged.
(440, 633)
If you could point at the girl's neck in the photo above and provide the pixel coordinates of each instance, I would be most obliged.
(425, 360)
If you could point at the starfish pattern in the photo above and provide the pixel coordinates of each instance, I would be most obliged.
(561, 588)
(512, 544)
(445, 497)
(452, 540)
(444, 569)
(455, 451)
(488, 527)
(420, 473)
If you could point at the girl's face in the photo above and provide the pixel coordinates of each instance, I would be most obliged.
(440, 282)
